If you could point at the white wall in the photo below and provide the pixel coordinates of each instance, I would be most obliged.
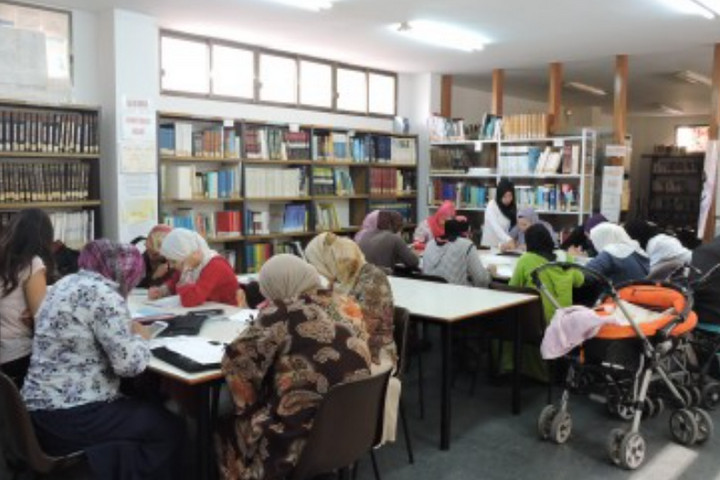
(471, 104)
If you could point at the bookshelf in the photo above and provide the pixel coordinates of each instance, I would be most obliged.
(554, 175)
(288, 182)
(50, 159)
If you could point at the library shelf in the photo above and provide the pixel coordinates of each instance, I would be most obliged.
(340, 163)
(61, 155)
(392, 165)
(254, 161)
(68, 204)
(391, 196)
(225, 239)
(172, 158)
(212, 201)
(306, 198)
(358, 196)
(271, 236)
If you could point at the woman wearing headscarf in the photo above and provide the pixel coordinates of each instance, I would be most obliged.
(620, 258)
(454, 258)
(666, 253)
(500, 216)
(383, 246)
(280, 368)
(578, 242)
(205, 275)
(526, 217)
(157, 268)
(340, 260)
(84, 342)
(434, 225)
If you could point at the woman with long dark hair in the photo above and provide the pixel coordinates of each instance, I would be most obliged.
(25, 264)
(500, 215)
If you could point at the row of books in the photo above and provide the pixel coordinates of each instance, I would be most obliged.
(405, 209)
(24, 131)
(74, 229)
(261, 182)
(44, 182)
(275, 218)
(560, 197)
(326, 217)
(258, 253)
(391, 181)
(183, 139)
(444, 129)
(364, 148)
(463, 194)
(332, 181)
(525, 159)
(185, 182)
(271, 143)
(208, 224)
(525, 125)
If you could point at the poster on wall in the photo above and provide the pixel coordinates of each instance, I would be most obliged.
(709, 186)
(137, 147)
(611, 193)
(138, 205)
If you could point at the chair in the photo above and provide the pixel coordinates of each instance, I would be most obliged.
(342, 432)
(18, 442)
(401, 323)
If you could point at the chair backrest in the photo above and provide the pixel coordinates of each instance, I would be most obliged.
(533, 321)
(346, 426)
(401, 326)
(17, 436)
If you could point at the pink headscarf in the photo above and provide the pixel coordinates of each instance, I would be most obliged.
(119, 262)
(369, 225)
(445, 211)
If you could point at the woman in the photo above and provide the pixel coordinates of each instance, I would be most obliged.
(666, 253)
(25, 260)
(578, 242)
(500, 216)
(157, 269)
(526, 217)
(455, 258)
(280, 368)
(340, 261)
(434, 225)
(205, 275)
(381, 244)
(84, 342)
(619, 258)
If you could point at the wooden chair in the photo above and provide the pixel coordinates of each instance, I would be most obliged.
(18, 443)
(344, 430)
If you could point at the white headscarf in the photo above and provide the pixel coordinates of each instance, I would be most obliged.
(611, 238)
(286, 276)
(180, 244)
(662, 248)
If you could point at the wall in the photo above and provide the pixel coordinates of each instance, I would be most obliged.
(471, 104)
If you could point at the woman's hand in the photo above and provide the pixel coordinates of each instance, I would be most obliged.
(161, 271)
(507, 246)
(576, 251)
(138, 328)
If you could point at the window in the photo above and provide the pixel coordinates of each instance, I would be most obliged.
(36, 47)
(381, 94)
(316, 84)
(233, 72)
(351, 90)
(185, 65)
(278, 79)
(694, 138)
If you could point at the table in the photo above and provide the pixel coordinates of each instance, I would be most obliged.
(447, 305)
(207, 383)
(506, 263)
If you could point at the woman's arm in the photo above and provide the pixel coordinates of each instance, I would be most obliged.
(602, 264)
(194, 294)
(34, 289)
(128, 352)
(405, 254)
(493, 223)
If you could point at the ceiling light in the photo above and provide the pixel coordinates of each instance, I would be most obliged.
(584, 87)
(315, 5)
(711, 5)
(441, 35)
(693, 77)
(705, 8)
(668, 109)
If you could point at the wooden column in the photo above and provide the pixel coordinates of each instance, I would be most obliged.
(498, 79)
(713, 135)
(555, 97)
(446, 96)
(620, 110)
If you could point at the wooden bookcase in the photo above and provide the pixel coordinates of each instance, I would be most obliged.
(290, 181)
(50, 159)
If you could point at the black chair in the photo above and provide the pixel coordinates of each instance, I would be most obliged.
(18, 443)
(401, 323)
(343, 430)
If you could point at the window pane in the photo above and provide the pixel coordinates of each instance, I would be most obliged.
(315, 84)
(233, 71)
(382, 94)
(278, 79)
(692, 138)
(185, 65)
(352, 90)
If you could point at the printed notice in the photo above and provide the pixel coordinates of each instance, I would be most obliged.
(137, 148)
(612, 189)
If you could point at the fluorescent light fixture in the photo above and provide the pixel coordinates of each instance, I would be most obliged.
(315, 5)
(693, 77)
(441, 35)
(705, 8)
(584, 87)
(668, 109)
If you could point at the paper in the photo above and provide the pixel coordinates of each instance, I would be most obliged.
(139, 312)
(172, 301)
(710, 175)
(137, 148)
(200, 350)
(138, 205)
(611, 193)
(245, 315)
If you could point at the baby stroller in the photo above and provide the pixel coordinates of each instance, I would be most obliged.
(628, 358)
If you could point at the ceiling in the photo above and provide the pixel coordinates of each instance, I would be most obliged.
(524, 36)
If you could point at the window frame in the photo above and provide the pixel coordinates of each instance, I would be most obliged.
(691, 125)
(257, 51)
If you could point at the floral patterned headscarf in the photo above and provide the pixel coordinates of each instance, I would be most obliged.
(338, 259)
(122, 263)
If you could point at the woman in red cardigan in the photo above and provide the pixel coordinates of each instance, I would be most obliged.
(204, 275)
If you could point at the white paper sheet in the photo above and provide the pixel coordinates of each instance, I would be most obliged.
(172, 301)
(245, 315)
(198, 349)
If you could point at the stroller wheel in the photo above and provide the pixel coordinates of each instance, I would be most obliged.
(561, 427)
(648, 408)
(696, 395)
(625, 411)
(705, 425)
(613, 445)
(711, 395)
(545, 421)
(683, 427)
(659, 406)
(686, 396)
(632, 451)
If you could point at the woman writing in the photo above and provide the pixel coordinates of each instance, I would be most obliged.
(526, 217)
(380, 242)
(500, 216)
(455, 258)
(434, 225)
(619, 258)
(157, 268)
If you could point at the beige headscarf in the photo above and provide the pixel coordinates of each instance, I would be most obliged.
(286, 276)
(339, 259)
(180, 244)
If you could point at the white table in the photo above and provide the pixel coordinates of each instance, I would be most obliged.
(447, 305)
(506, 263)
